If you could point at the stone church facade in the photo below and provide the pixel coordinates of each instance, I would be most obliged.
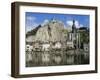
(74, 37)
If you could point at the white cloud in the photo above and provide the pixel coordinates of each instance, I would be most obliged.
(70, 23)
(81, 25)
(31, 18)
(77, 24)
(31, 23)
(29, 28)
(45, 22)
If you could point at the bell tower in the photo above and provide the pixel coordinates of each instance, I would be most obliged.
(73, 27)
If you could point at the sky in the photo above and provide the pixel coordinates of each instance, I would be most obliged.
(32, 19)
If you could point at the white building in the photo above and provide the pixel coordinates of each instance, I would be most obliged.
(29, 48)
(58, 45)
(45, 46)
(70, 44)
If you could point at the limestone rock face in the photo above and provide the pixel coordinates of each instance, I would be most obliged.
(52, 31)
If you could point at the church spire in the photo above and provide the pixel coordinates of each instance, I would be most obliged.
(73, 27)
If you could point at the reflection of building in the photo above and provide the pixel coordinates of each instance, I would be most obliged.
(73, 37)
(86, 50)
(46, 58)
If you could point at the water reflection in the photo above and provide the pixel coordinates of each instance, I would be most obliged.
(56, 57)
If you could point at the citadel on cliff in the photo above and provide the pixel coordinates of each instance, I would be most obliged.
(52, 44)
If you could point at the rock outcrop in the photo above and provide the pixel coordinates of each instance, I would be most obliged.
(52, 31)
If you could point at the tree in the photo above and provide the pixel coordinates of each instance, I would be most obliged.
(84, 37)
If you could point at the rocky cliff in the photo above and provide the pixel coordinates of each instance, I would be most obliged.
(52, 31)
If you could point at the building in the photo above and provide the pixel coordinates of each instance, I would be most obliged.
(86, 47)
(70, 44)
(45, 46)
(58, 45)
(29, 48)
(74, 37)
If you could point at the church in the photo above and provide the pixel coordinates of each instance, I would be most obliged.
(73, 40)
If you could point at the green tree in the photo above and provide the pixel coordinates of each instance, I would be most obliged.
(84, 37)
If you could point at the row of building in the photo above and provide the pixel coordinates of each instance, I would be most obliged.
(72, 41)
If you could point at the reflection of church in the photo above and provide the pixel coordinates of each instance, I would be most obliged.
(74, 37)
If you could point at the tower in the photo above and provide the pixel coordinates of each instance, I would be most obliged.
(73, 27)
(74, 34)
